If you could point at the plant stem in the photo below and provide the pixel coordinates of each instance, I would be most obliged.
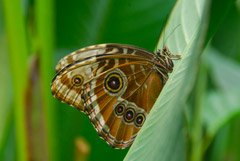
(18, 50)
(45, 48)
(197, 132)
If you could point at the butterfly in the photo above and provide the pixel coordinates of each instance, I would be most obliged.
(116, 85)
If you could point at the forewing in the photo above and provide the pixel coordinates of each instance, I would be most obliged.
(109, 76)
(103, 50)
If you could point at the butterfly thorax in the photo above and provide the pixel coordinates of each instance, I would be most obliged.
(163, 60)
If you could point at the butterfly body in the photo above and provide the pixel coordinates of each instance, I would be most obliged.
(116, 85)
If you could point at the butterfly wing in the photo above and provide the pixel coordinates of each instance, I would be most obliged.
(116, 85)
(102, 50)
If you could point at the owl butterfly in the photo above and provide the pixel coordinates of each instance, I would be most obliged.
(115, 85)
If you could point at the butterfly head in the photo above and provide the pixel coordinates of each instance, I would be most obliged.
(164, 59)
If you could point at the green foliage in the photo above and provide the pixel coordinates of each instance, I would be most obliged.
(196, 116)
(17, 49)
(169, 104)
(227, 94)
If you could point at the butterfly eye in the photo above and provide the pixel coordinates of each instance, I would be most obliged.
(113, 83)
(139, 120)
(77, 80)
(129, 115)
(120, 109)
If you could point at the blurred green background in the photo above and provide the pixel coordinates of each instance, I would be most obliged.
(36, 34)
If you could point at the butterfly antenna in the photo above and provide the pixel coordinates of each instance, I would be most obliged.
(172, 32)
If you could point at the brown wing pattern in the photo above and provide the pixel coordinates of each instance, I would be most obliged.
(140, 95)
(103, 50)
(116, 85)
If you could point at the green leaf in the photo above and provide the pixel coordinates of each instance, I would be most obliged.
(224, 103)
(219, 10)
(223, 109)
(160, 136)
(225, 73)
(88, 22)
(18, 50)
(6, 108)
(219, 147)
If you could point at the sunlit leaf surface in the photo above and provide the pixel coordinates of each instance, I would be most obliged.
(161, 135)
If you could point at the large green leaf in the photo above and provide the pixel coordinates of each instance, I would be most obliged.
(160, 137)
(86, 22)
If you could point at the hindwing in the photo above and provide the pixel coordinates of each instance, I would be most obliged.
(115, 85)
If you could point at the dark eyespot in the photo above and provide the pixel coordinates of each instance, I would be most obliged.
(119, 109)
(129, 115)
(77, 80)
(113, 83)
(139, 120)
